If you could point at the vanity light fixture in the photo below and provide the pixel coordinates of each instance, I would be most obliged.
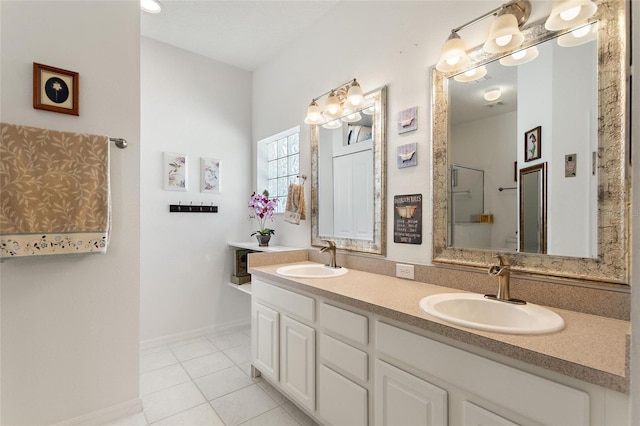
(314, 113)
(471, 75)
(504, 35)
(453, 55)
(492, 95)
(340, 100)
(520, 57)
(580, 35)
(150, 6)
(567, 13)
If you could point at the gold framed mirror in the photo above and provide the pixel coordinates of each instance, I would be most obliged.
(348, 180)
(610, 262)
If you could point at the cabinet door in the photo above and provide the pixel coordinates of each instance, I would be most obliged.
(477, 416)
(403, 399)
(340, 401)
(297, 361)
(266, 342)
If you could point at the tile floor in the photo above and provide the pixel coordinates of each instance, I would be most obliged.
(207, 381)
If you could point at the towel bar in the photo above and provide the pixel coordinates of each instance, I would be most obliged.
(120, 143)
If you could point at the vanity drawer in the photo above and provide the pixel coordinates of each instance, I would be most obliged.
(345, 323)
(296, 304)
(349, 359)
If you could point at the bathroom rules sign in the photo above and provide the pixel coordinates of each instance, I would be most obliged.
(407, 219)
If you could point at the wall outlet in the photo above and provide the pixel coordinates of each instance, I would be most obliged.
(404, 271)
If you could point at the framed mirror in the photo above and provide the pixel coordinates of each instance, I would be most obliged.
(348, 178)
(598, 190)
(533, 209)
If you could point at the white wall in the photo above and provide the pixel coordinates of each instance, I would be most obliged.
(394, 44)
(70, 325)
(202, 108)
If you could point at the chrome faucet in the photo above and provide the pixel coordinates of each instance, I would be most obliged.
(503, 272)
(331, 248)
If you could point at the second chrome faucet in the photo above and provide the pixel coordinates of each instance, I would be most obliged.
(503, 272)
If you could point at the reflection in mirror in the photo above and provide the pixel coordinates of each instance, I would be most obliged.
(588, 240)
(486, 134)
(533, 209)
(347, 178)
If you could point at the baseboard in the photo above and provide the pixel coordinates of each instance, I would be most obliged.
(193, 334)
(106, 415)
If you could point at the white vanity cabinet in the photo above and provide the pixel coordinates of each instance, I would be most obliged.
(284, 341)
(345, 366)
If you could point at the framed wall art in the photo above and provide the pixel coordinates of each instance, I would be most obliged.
(408, 120)
(407, 155)
(175, 171)
(55, 89)
(210, 175)
(533, 144)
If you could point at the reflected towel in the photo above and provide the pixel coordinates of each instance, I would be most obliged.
(55, 192)
(295, 210)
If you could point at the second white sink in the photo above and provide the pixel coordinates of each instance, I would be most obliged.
(475, 311)
(310, 270)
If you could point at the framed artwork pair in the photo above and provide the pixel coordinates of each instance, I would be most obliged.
(175, 173)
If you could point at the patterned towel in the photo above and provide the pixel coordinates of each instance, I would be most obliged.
(296, 209)
(54, 192)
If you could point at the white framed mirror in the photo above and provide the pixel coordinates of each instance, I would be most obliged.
(348, 170)
(604, 209)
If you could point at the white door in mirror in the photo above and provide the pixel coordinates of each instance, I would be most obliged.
(474, 311)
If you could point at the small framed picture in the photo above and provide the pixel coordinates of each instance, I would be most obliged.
(210, 175)
(175, 171)
(533, 144)
(55, 89)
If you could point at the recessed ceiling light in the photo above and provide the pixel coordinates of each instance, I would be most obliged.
(150, 6)
(492, 95)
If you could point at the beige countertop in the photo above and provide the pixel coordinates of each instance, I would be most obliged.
(590, 347)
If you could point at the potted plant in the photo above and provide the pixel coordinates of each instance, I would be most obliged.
(262, 208)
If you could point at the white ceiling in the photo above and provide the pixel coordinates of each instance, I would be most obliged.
(242, 33)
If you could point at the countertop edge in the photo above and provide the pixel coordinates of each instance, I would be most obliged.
(467, 336)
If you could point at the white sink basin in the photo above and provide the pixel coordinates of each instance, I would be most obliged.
(310, 270)
(474, 311)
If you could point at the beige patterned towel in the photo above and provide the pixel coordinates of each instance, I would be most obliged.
(54, 192)
(295, 209)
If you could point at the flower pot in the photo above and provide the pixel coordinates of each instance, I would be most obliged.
(263, 240)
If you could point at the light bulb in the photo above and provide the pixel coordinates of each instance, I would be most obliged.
(333, 104)
(354, 94)
(453, 60)
(503, 40)
(581, 32)
(570, 14)
(519, 54)
(470, 73)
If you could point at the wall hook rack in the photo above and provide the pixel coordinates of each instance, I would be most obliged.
(179, 208)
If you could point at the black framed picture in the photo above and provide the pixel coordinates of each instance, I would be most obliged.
(55, 89)
(533, 144)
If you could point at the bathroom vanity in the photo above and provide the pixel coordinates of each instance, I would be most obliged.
(357, 350)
